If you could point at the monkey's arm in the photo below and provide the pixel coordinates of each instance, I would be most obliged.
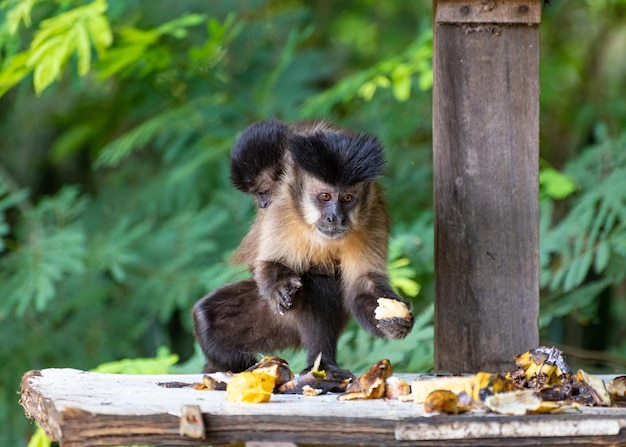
(363, 301)
(277, 283)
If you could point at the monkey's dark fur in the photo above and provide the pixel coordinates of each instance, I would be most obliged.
(233, 324)
(317, 254)
(255, 159)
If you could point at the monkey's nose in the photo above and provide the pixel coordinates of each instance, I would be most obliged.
(336, 220)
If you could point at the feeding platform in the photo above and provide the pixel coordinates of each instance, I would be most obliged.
(80, 409)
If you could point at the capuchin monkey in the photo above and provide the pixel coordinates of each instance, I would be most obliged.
(318, 254)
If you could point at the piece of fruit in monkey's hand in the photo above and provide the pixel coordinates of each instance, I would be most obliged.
(370, 385)
(389, 308)
(394, 318)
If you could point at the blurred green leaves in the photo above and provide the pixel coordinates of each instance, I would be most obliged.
(138, 51)
(400, 72)
(72, 33)
(50, 245)
(584, 253)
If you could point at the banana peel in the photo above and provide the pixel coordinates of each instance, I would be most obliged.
(446, 401)
(521, 402)
(544, 370)
(312, 383)
(275, 367)
(421, 388)
(592, 390)
(540, 367)
(487, 384)
(210, 383)
(371, 385)
(617, 390)
(397, 388)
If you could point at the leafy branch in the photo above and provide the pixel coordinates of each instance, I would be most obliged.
(397, 72)
(73, 32)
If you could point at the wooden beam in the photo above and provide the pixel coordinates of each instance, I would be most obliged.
(486, 157)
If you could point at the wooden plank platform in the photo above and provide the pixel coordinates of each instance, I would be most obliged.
(79, 408)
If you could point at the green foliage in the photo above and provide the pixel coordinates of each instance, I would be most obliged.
(50, 245)
(39, 439)
(397, 72)
(554, 185)
(585, 252)
(72, 32)
(161, 364)
(139, 52)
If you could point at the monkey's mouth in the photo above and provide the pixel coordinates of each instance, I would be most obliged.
(331, 231)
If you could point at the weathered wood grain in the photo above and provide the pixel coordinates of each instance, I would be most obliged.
(82, 409)
(486, 161)
(488, 11)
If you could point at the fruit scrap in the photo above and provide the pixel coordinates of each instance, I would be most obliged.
(275, 367)
(487, 384)
(446, 401)
(421, 388)
(591, 390)
(388, 308)
(544, 369)
(523, 402)
(396, 388)
(311, 383)
(617, 390)
(539, 367)
(210, 383)
(371, 385)
(250, 387)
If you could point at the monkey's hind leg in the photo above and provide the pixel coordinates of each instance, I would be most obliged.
(233, 326)
(322, 318)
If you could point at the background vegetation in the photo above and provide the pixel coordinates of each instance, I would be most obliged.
(116, 212)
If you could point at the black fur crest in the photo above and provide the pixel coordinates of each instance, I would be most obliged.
(339, 158)
(259, 148)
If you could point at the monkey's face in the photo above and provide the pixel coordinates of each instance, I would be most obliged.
(330, 208)
(262, 190)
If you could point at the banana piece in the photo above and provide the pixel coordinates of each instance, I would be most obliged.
(388, 308)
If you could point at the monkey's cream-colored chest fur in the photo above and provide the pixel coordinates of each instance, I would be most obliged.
(288, 239)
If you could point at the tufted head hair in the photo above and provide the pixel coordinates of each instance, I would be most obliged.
(339, 158)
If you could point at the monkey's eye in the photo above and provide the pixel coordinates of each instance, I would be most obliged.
(264, 192)
(324, 197)
(347, 198)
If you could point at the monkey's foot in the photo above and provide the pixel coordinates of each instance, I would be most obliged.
(333, 372)
(396, 327)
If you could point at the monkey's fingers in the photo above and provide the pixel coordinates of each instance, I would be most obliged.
(284, 292)
(396, 327)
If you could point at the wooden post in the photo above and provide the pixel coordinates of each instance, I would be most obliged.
(486, 158)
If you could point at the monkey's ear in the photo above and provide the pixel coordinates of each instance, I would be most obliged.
(258, 151)
(339, 158)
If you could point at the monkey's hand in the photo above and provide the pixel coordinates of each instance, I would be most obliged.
(395, 327)
(394, 318)
(282, 292)
(277, 284)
